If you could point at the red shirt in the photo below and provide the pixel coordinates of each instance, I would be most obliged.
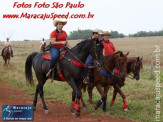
(61, 37)
(108, 48)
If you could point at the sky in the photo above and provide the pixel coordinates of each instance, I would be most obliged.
(124, 16)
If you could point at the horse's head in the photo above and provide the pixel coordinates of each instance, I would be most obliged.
(9, 48)
(97, 52)
(120, 63)
(136, 67)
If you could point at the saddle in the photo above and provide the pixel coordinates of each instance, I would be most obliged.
(63, 51)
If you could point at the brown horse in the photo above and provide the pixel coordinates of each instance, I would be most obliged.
(134, 65)
(116, 64)
(6, 55)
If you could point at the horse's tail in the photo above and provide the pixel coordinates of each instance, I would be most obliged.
(28, 68)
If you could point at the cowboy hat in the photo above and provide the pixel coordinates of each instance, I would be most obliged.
(96, 31)
(59, 21)
(105, 33)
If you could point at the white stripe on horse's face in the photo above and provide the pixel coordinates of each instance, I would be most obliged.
(9, 49)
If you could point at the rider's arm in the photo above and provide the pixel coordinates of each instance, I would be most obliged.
(53, 41)
(67, 44)
(104, 52)
(5, 43)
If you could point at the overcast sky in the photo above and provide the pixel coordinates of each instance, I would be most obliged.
(124, 16)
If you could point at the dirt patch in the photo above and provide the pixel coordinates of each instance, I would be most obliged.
(59, 112)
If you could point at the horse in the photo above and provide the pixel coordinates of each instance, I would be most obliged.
(134, 66)
(6, 55)
(72, 73)
(43, 46)
(115, 64)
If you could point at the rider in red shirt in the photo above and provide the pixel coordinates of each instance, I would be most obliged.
(58, 40)
(108, 45)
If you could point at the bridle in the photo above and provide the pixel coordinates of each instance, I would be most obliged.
(112, 72)
(9, 49)
(134, 71)
(84, 64)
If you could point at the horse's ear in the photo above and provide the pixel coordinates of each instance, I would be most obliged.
(127, 53)
(121, 54)
(138, 58)
(141, 58)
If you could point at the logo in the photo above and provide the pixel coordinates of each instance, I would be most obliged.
(17, 112)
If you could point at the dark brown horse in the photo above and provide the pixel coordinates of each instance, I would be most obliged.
(115, 62)
(6, 55)
(134, 65)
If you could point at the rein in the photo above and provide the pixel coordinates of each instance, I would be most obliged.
(130, 76)
(112, 72)
(81, 64)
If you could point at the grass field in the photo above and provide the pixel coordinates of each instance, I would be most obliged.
(140, 94)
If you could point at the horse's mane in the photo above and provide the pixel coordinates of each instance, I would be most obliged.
(112, 55)
(80, 45)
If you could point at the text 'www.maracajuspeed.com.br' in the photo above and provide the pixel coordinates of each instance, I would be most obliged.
(48, 16)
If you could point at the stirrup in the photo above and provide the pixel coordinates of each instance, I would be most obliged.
(85, 81)
(48, 74)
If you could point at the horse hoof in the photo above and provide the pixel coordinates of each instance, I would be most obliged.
(90, 101)
(46, 112)
(126, 109)
(84, 106)
(34, 108)
(95, 107)
(111, 105)
(76, 113)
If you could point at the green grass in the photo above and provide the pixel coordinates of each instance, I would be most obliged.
(140, 94)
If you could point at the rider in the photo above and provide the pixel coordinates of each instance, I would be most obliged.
(108, 45)
(58, 40)
(96, 33)
(7, 43)
(42, 43)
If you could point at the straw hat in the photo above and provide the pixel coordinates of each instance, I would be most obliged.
(96, 31)
(59, 21)
(105, 33)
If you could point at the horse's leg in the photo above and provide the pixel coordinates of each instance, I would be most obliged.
(35, 98)
(125, 107)
(113, 98)
(41, 81)
(104, 99)
(100, 90)
(82, 101)
(73, 102)
(90, 93)
(41, 92)
(5, 62)
(8, 62)
(77, 93)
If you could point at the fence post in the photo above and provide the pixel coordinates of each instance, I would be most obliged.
(152, 77)
(32, 47)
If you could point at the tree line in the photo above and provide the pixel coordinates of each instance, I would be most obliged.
(84, 34)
